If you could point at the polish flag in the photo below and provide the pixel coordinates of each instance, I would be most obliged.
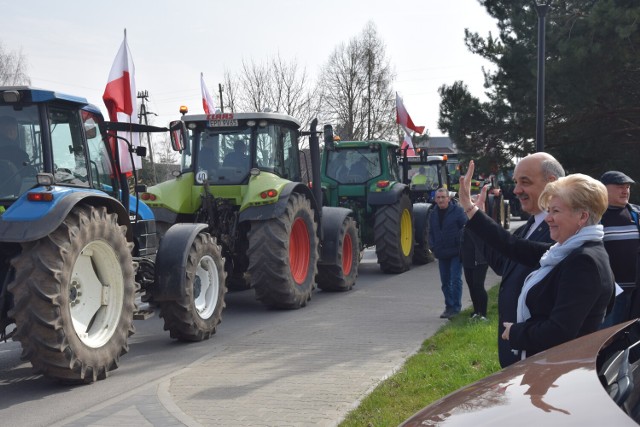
(408, 143)
(207, 101)
(120, 99)
(403, 118)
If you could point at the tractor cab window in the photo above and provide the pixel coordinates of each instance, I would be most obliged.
(276, 151)
(99, 158)
(394, 169)
(427, 176)
(221, 155)
(267, 149)
(291, 155)
(20, 150)
(353, 165)
(69, 156)
(186, 159)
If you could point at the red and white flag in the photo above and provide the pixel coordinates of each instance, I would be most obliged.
(120, 99)
(207, 101)
(408, 143)
(403, 118)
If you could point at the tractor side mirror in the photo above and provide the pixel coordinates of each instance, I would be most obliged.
(179, 136)
(90, 130)
(328, 137)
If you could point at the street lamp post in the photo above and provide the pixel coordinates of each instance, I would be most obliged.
(542, 11)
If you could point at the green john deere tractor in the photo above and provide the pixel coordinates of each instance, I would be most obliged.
(364, 177)
(241, 174)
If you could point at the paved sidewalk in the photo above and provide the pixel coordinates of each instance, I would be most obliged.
(297, 370)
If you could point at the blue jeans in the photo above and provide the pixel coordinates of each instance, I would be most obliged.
(451, 278)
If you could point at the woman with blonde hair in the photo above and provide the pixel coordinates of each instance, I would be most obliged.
(568, 295)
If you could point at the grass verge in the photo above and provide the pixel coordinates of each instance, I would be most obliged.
(461, 352)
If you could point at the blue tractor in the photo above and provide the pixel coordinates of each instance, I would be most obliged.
(79, 257)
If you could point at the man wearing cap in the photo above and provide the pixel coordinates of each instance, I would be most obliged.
(621, 240)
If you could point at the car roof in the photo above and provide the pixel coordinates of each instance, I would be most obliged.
(559, 386)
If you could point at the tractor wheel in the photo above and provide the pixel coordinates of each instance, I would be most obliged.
(394, 235)
(195, 316)
(421, 253)
(342, 275)
(74, 296)
(283, 256)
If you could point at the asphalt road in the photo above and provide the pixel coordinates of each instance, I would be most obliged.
(263, 367)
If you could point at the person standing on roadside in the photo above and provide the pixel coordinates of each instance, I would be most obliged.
(568, 293)
(530, 176)
(445, 229)
(622, 241)
(475, 271)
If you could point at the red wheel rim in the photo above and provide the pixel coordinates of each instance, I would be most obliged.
(299, 251)
(347, 254)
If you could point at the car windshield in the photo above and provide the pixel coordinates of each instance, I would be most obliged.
(353, 165)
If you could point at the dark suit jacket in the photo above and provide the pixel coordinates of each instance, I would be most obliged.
(569, 302)
(513, 275)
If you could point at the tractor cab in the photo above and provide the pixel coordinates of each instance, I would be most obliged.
(224, 149)
(424, 174)
(43, 132)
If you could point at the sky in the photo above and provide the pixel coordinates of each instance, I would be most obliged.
(70, 45)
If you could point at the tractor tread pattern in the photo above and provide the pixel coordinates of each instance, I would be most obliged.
(269, 269)
(180, 316)
(41, 298)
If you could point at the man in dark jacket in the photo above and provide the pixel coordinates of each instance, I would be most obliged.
(445, 228)
(531, 175)
(621, 240)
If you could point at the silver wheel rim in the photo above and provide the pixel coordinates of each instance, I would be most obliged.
(96, 293)
(206, 287)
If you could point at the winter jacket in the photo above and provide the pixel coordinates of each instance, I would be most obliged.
(444, 240)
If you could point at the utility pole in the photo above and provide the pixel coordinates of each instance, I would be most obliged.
(542, 11)
(144, 97)
(220, 89)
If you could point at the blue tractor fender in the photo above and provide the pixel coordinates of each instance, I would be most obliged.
(28, 221)
(332, 220)
(275, 210)
(421, 212)
(171, 260)
(137, 206)
(388, 197)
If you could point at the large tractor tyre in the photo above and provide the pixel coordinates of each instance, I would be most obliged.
(197, 313)
(393, 234)
(283, 256)
(74, 297)
(421, 253)
(342, 275)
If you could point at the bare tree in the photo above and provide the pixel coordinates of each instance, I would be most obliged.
(164, 152)
(13, 68)
(254, 87)
(357, 88)
(276, 85)
(379, 103)
(231, 92)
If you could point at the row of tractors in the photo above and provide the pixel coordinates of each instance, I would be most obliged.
(81, 257)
